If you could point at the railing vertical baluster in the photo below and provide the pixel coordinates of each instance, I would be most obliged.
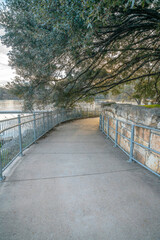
(103, 123)
(131, 143)
(149, 143)
(57, 118)
(81, 113)
(20, 135)
(34, 126)
(75, 114)
(100, 119)
(1, 174)
(52, 118)
(108, 127)
(47, 121)
(43, 122)
(62, 115)
(116, 133)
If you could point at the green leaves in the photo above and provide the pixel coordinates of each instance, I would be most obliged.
(77, 49)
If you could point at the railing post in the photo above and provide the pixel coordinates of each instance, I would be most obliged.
(108, 127)
(75, 113)
(44, 122)
(131, 143)
(20, 135)
(103, 123)
(47, 121)
(64, 115)
(81, 113)
(52, 119)
(100, 119)
(57, 117)
(116, 133)
(61, 116)
(1, 174)
(34, 126)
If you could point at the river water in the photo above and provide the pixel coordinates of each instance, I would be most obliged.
(17, 105)
(10, 105)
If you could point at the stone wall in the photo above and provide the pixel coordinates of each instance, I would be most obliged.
(129, 115)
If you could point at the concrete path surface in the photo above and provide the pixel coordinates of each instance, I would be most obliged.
(73, 184)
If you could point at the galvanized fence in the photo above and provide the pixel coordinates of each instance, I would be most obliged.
(19, 133)
(112, 127)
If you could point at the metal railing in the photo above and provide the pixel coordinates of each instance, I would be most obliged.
(111, 129)
(21, 132)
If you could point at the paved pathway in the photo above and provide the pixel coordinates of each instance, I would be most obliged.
(73, 184)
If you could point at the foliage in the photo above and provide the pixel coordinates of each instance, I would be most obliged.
(145, 90)
(71, 50)
(148, 89)
(151, 106)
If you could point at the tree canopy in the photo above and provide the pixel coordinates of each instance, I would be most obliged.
(65, 51)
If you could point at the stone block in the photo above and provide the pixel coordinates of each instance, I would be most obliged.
(152, 162)
(158, 171)
(146, 135)
(119, 124)
(125, 144)
(105, 130)
(155, 142)
(123, 125)
(140, 141)
(139, 132)
(128, 126)
(112, 123)
(119, 129)
(118, 139)
(126, 133)
(112, 134)
(105, 127)
(140, 154)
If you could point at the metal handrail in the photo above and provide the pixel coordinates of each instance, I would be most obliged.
(19, 124)
(10, 119)
(131, 139)
(49, 119)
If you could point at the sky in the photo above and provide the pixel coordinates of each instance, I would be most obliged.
(6, 73)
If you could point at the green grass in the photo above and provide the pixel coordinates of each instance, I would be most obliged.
(151, 106)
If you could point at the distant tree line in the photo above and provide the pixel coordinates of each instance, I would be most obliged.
(6, 95)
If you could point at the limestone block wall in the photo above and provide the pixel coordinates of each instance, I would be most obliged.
(141, 118)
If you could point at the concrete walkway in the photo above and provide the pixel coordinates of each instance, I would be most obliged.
(73, 184)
